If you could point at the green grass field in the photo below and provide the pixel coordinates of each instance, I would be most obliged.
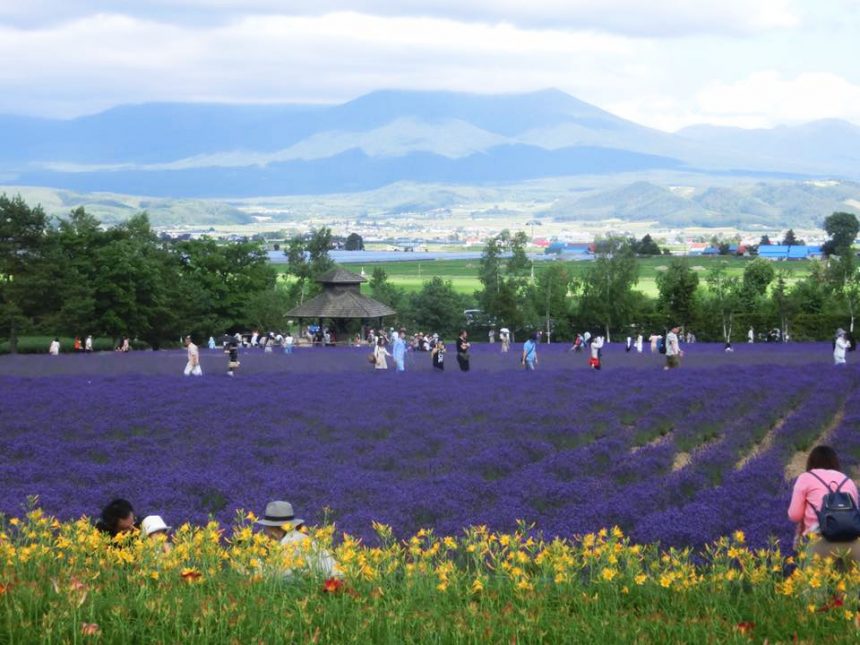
(463, 274)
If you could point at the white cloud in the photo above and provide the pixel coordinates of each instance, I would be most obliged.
(765, 98)
(631, 17)
(108, 59)
(761, 100)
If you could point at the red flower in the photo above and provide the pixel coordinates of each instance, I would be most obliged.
(90, 629)
(745, 627)
(333, 585)
(835, 603)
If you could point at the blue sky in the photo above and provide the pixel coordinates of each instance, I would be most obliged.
(663, 63)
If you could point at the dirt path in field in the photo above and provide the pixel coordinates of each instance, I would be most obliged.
(682, 460)
(797, 464)
(656, 441)
(765, 443)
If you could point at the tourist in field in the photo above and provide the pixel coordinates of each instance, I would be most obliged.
(399, 350)
(595, 360)
(577, 344)
(750, 335)
(379, 354)
(152, 527)
(288, 343)
(281, 524)
(232, 358)
(463, 346)
(492, 335)
(639, 343)
(586, 338)
(628, 345)
(673, 349)
(88, 344)
(193, 364)
(505, 338)
(77, 346)
(54, 347)
(840, 346)
(529, 358)
(653, 339)
(211, 343)
(438, 354)
(823, 475)
(116, 518)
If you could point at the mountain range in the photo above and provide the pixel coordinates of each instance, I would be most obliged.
(237, 151)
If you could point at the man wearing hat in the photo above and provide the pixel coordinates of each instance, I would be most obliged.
(281, 524)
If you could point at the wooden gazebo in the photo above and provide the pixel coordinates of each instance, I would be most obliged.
(341, 299)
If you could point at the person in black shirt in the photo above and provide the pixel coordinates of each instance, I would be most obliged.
(463, 346)
(233, 363)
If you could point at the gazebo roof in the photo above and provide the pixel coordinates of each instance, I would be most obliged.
(341, 304)
(340, 276)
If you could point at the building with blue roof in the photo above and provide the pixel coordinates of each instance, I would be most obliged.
(794, 252)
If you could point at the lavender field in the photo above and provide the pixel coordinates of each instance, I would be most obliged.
(681, 457)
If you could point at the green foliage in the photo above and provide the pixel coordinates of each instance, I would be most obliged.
(646, 246)
(505, 279)
(607, 286)
(842, 229)
(677, 299)
(550, 298)
(354, 242)
(77, 278)
(757, 277)
(790, 239)
(308, 259)
(724, 296)
(439, 308)
(22, 266)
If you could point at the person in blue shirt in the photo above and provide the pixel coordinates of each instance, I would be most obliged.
(530, 358)
(399, 350)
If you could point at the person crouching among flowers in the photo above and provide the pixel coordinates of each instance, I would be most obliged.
(301, 551)
(153, 528)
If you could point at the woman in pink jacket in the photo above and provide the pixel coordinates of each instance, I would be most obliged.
(808, 495)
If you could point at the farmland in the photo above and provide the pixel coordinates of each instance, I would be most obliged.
(463, 274)
(425, 449)
(630, 504)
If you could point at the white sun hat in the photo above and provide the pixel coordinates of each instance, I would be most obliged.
(153, 524)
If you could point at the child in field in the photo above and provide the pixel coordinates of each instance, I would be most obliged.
(596, 353)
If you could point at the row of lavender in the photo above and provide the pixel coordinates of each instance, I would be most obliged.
(662, 454)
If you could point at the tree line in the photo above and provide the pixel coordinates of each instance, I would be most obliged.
(70, 276)
(73, 277)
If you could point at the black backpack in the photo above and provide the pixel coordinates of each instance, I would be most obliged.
(838, 517)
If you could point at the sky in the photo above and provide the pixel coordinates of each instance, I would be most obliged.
(662, 63)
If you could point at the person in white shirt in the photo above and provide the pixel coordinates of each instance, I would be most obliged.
(673, 350)
(379, 354)
(840, 346)
(288, 343)
(54, 348)
(750, 335)
(193, 364)
(639, 343)
(281, 524)
(88, 344)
